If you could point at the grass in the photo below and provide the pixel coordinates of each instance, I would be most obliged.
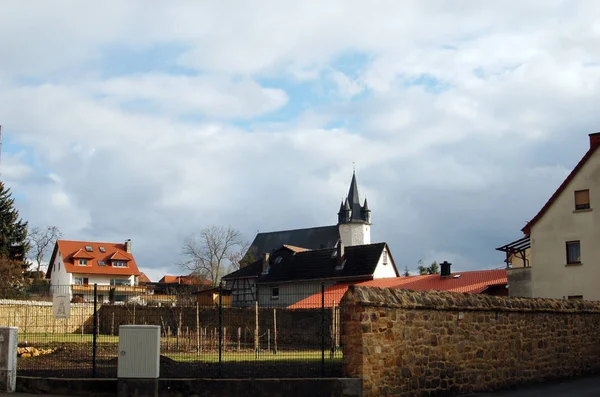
(281, 356)
(210, 356)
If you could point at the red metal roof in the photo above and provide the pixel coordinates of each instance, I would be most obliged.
(473, 282)
(72, 250)
(594, 144)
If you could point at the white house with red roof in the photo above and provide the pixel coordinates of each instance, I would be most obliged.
(81, 264)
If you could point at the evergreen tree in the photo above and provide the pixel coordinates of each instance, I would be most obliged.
(13, 231)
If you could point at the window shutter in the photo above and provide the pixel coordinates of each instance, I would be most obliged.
(582, 198)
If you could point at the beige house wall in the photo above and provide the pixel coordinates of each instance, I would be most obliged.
(551, 277)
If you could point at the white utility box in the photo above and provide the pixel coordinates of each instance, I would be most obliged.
(139, 351)
(8, 358)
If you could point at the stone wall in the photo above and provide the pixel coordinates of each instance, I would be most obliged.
(37, 317)
(426, 343)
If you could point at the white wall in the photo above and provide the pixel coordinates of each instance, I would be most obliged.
(385, 270)
(59, 274)
(102, 279)
(551, 277)
(355, 234)
(289, 293)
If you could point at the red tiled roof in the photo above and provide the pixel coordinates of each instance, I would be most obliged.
(473, 282)
(563, 186)
(190, 279)
(72, 250)
(143, 278)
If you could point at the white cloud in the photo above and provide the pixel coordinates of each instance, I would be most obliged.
(460, 106)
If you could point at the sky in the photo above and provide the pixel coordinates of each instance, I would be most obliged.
(153, 120)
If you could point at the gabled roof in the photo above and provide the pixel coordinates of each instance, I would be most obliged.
(72, 250)
(190, 279)
(474, 282)
(119, 256)
(143, 279)
(359, 262)
(310, 238)
(594, 145)
(250, 271)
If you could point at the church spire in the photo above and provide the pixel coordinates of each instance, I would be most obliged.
(353, 199)
(351, 209)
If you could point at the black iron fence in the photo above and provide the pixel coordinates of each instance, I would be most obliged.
(285, 331)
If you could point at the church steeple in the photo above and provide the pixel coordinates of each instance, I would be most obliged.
(354, 220)
(352, 210)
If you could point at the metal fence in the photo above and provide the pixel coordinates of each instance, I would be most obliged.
(283, 332)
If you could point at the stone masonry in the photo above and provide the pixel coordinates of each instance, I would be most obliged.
(429, 343)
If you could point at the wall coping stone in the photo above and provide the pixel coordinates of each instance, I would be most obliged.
(454, 301)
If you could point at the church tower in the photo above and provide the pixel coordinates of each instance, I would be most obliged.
(354, 220)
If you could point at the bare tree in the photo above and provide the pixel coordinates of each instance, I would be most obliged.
(210, 254)
(41, 240)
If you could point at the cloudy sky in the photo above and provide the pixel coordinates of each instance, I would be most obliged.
(151, 120)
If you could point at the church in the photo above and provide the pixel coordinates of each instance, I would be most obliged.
(290, 265)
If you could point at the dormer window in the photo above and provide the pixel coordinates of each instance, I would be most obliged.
(102, 249)
(82, 262)
(89, 248)
(119, 263)
(582, 199)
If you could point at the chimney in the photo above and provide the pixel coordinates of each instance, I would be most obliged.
(445, 269)
(128, 245)
(594, 140)
(265, 262)
(340, 252)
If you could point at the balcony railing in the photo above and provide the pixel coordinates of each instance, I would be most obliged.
(89, 289)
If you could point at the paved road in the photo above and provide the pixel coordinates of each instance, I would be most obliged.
(582, 387)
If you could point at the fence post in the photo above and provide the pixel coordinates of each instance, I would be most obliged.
(95, 331)
(322, 328)
(221, 329)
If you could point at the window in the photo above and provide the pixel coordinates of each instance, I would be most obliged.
(83, 262)
(116, 281)
(278, 260)
(385, 257)
(78, 281)
(119, 263)
(582, 199)
(101, 249)
(573, 252)
(275, 293)
(89, 248)
(101, 263)
(575, 297)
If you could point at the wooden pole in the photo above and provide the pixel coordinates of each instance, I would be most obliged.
(274, 331)
(198, 336)
(256, 329)
(224, 338)
(112, 328)
(168, 336)
(268, 339)
(239, 344)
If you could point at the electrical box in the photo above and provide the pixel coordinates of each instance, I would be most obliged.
(8, 358)
(139, 351)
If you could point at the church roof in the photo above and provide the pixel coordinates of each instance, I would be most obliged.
(309, 238)
(354, 200)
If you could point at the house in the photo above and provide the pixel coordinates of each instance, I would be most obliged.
(292, 264)
(75, 266)
(487, 282)
(564, 254)
(287, 276)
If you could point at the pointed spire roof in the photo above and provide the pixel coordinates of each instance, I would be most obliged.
(366, 206)
(353, 198)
